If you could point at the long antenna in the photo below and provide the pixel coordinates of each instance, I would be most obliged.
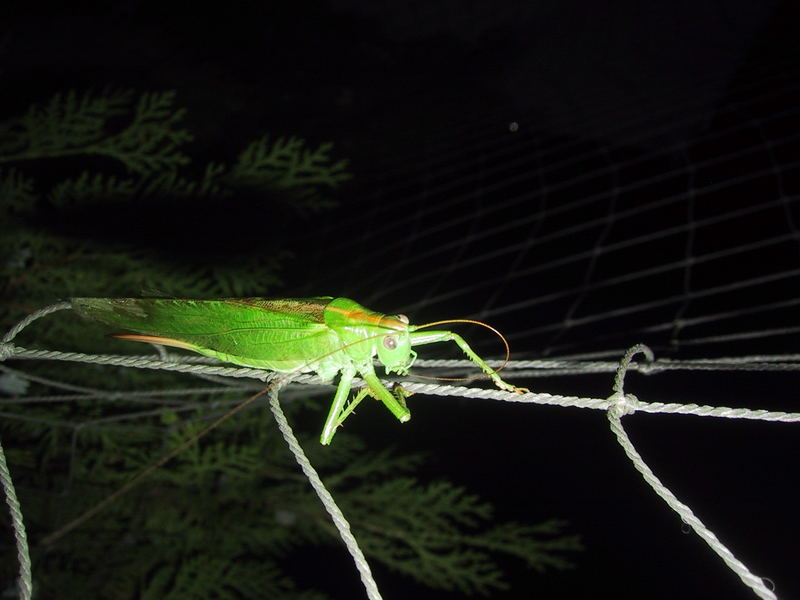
(56, 535)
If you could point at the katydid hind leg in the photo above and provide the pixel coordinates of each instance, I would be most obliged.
(430, 337)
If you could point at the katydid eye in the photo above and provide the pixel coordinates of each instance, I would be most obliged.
(390, 342)
(402, 319)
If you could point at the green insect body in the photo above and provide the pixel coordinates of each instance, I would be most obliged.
(323, 335)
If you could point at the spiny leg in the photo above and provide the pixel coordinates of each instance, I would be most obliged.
(351, 405)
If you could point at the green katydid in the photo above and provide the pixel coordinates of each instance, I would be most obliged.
(324, 335)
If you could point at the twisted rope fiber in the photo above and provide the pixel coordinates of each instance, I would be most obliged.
(324, 495)
(37, 314)
(615, 406)
(545, 368)
(25, 581)
(139, 362)
(603, 403)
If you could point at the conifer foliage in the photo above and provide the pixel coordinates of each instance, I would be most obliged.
(228, 517)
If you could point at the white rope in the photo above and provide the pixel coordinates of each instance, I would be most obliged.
(602, 403)
(617, 405)
(139, 362)
(325, 496)
(25, 581)
(546, 368)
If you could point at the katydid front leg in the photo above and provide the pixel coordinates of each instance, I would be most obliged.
(430, 337)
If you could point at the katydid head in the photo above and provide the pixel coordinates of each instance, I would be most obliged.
(394, 348)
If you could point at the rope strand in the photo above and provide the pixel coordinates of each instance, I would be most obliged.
(324, 495)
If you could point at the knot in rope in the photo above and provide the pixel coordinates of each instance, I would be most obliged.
(620, 404)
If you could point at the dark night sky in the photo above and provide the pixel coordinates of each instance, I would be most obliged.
(388, 82)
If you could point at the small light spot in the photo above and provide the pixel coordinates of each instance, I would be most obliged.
(513, 126)
(285, 517)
